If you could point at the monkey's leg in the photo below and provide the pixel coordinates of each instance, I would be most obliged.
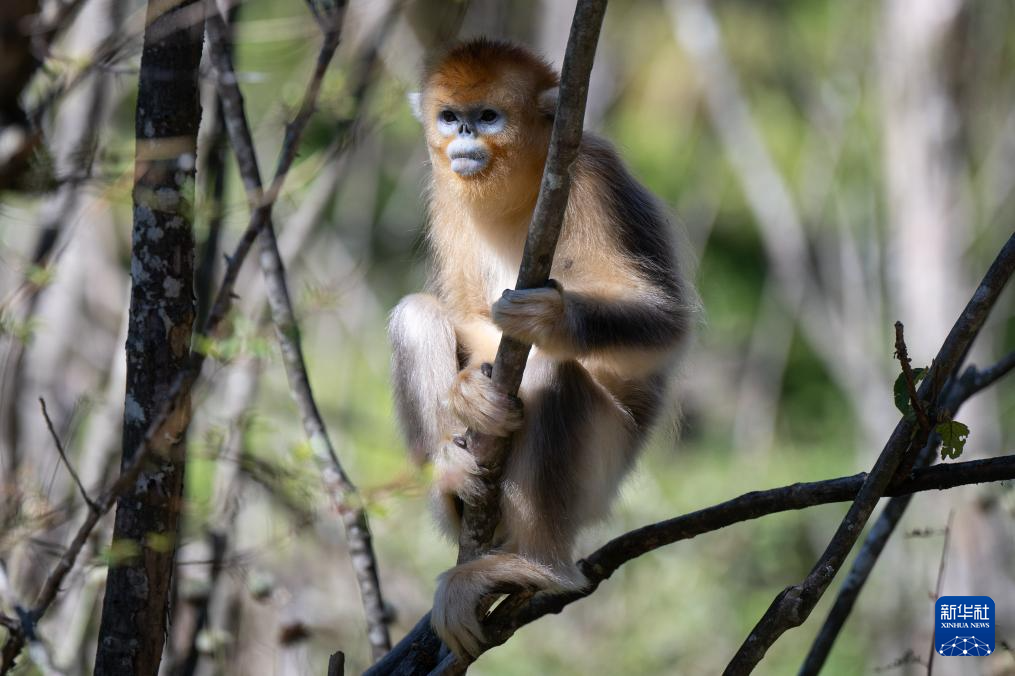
(574, 447)
(424, 365)
(577, 444)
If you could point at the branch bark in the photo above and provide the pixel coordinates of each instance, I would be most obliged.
(972, 381)
(162, 314)
(482, 516)
(795, 603)
(418, 649)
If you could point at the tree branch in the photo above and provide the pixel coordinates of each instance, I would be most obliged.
(63, 455)
(794, 604)
(482, 515)
(972, 381)
(337, 483)
(902, 354)
(409, 656)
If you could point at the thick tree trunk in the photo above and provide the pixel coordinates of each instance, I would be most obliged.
(162, 312)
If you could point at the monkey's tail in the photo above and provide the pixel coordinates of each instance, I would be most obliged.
(459, 591)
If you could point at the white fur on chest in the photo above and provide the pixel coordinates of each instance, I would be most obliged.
(499, 256)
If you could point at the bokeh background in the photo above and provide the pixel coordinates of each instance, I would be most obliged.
(834, 167)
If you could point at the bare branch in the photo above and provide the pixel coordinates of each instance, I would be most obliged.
(336, 664)
(419, 648)
(902, 354)
(792, 607)
(63, 456)
(972, 381)
(337, 483)
(482, 515)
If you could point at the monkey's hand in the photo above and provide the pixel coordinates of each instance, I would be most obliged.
(478, 403)
(535, 316)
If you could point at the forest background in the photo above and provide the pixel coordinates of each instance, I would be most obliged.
(836, 166)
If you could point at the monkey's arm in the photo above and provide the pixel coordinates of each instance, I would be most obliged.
(578, 323)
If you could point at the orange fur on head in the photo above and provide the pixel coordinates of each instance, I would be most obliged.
(511, 79)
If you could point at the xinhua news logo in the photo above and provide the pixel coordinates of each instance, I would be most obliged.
(964, 626)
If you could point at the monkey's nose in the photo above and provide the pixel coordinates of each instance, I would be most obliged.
(464, 130)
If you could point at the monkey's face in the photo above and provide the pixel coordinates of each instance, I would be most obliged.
(467, 133)
(486, 132)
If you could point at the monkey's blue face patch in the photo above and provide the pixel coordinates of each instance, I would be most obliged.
(479, 120)
(467, 127)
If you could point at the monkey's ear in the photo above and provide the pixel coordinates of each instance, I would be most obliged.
(415, 100)
(547, 101)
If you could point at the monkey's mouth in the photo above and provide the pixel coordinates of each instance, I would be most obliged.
(468, 162)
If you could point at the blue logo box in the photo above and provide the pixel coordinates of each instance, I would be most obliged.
(964, 626)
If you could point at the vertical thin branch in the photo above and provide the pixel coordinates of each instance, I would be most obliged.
(337, 483)
(937, 587)
(902, 354)
(483, 514)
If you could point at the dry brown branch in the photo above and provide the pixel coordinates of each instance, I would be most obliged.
(63, 455)
(337, 483)
(972, 381)
(482, 516)
(416, 653)
(902, 354)
(792, 607)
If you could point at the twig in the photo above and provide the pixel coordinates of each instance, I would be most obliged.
(411, 654)
(937, 587)
(972, 381)
(902, 354)
(63, 456)
(337, 483)
(792, 607)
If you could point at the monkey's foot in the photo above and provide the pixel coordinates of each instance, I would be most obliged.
(478, 403)
(456, 471)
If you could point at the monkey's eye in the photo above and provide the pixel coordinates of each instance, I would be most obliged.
(488, 115)
(448, 116)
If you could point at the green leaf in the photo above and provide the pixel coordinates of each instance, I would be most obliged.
(902, 401)
(953, 438)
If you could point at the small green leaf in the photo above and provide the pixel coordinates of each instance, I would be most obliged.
(902, 401)
(953, 438)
